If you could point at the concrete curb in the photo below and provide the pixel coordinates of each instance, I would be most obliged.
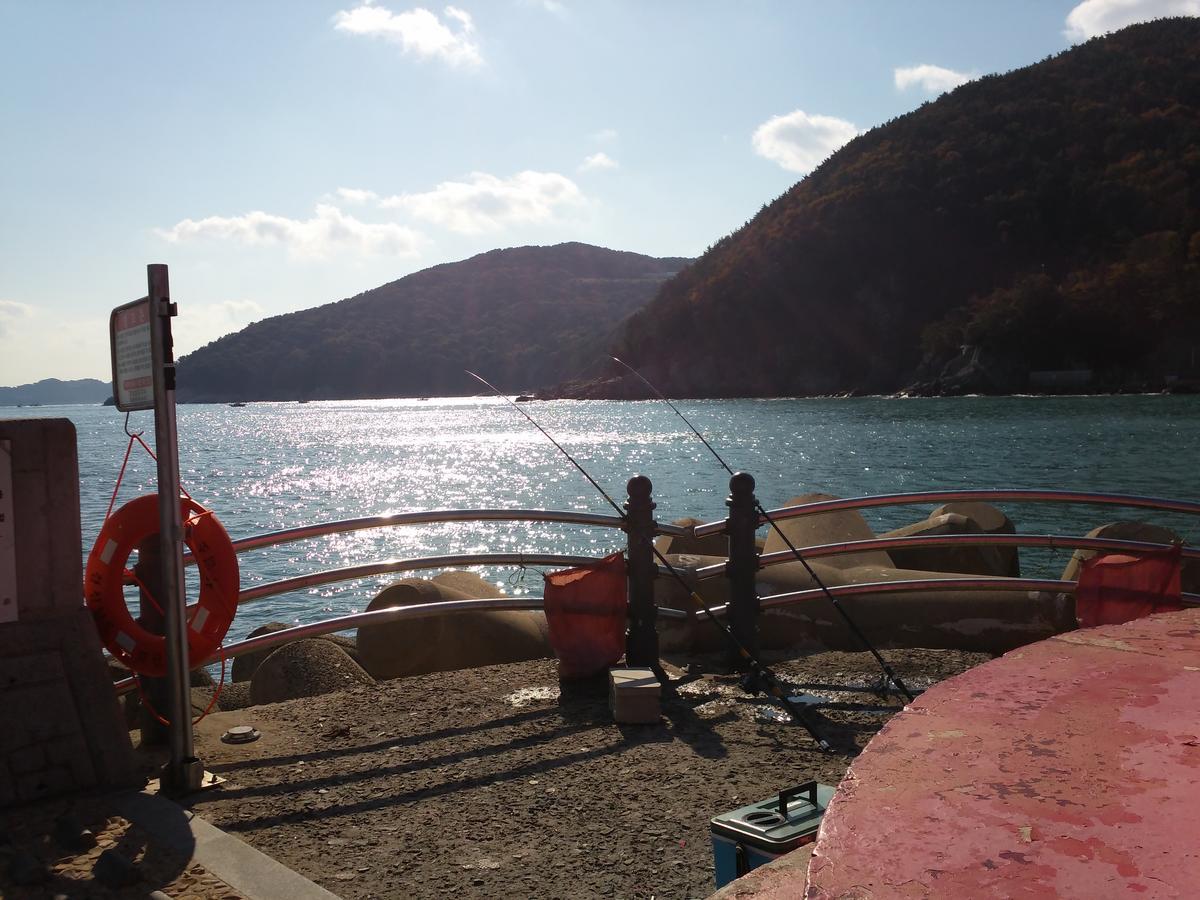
(235, 862)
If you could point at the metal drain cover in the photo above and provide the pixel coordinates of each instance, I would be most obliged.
(241, 734)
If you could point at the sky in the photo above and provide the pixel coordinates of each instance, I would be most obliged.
(283, 154)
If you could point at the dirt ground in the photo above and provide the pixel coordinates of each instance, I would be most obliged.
(494, 783)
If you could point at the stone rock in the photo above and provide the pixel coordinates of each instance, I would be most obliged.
(990, 520)
(244, 666)
(469, 584)
(235, 695)
(439, 643)
(825, 528)
(993, 621)
(1000, 561)
(305, 668)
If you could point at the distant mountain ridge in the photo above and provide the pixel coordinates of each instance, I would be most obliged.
(1045, 219)
(521, 317)
(53, 392)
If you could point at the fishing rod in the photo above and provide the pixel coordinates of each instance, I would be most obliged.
(765, 676)
(889, 675)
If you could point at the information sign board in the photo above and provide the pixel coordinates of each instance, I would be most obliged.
(8, 540)
(132, 366)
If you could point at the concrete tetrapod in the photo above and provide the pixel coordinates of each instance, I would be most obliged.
(987, 621)
(439, 643)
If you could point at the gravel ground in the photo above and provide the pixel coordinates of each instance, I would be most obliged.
(495, 783)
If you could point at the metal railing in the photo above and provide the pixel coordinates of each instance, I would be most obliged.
(649, 527)
(1160, 504)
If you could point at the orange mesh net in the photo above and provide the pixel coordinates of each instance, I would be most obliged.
(586, 612)
(1115, 588)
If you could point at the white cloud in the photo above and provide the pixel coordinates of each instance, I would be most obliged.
(1096, 17)
(202, 323)
(357, 196)
(487, 203)
(417, 31)
(596, 161)
(799, 141)
(932, 79)
(10, 312)
(329, 230)
(41, 344)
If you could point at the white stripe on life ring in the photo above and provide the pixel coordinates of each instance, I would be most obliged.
(106, 554)
(200, 619)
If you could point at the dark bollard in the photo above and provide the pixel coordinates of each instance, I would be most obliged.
(641, 645)
(150, 617)
(743, 562)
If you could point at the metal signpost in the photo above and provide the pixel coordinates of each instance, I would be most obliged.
(144, 378)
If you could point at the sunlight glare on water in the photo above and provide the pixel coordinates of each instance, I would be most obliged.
(270, 466)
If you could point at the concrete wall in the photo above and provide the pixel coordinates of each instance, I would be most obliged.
(62, 727)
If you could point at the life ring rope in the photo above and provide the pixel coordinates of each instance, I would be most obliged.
(106, 575)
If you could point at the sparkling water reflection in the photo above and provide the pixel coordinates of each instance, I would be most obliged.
(269, 466)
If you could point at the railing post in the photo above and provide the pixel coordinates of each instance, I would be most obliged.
(641, 645)
(743, 560)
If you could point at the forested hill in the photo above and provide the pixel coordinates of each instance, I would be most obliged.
(52, 391)
(521, 317)
(1048, 218)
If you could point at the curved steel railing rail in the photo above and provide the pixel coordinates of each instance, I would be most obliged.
(1047, 541)
(329, 576)
(1161, 504)
(433, 517)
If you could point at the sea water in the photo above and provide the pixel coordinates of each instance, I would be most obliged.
(269, 466)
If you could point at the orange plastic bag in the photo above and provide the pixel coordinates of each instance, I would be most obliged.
(1115, 588)
(586, 613)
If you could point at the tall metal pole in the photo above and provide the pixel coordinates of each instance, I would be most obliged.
(184, 772)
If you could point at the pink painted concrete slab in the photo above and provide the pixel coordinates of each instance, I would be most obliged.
(1067, 768)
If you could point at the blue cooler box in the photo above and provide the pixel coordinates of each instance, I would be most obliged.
(752, 835)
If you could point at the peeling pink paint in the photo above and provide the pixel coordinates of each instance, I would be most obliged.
(1069, 768)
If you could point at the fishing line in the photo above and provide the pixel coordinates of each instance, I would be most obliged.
(766, 676)
(887, 670)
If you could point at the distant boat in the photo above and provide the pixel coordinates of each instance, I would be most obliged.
(239, 403)
(300, 401)
(524, 398)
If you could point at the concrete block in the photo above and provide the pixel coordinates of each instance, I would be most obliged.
(27, 760)
(634, 696)
(27, 669)
(45, 473)
(8, 793)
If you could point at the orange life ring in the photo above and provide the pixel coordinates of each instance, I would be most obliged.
(208, 620)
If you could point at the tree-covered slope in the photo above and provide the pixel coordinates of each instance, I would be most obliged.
(52, 391)
(1049, 216)
(521, 317)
